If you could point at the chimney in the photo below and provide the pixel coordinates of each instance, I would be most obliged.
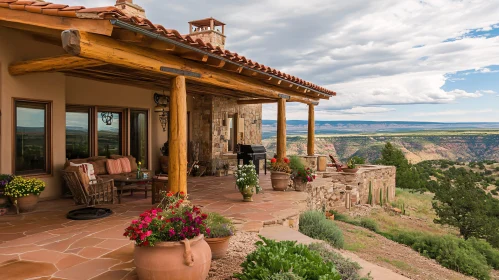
(209, 30)
(130, 9)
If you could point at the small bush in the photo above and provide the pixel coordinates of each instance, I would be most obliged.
(490, 253)
(450, 251)
(315, 225)
(348, 269)
(370, 224)
(286, 276)
(219, 226)
(272, 258)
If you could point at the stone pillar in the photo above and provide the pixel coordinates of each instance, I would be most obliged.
(311, 130)
(177, 162)
(281, 128)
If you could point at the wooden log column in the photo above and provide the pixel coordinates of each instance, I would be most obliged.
(281, 128)
(177, 165)
(311, 130)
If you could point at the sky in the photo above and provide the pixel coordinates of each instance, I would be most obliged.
(406, 60)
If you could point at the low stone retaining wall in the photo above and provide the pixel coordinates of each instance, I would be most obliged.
(342, 190)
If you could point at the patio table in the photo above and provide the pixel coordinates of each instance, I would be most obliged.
(130, 184)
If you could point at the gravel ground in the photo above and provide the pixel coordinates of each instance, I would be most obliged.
(240, 245)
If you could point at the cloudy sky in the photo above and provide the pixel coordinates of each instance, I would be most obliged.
(414, 60)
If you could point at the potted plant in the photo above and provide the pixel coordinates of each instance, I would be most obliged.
(24, 192)
(4, 200)
(351, 166)
(301, 175)
(280, 173)
(169, 241)
(226, 167)
(221, 230)
(163, 159)
(247, 181)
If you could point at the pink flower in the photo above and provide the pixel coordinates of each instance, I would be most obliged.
(148, 233)
(135, 222)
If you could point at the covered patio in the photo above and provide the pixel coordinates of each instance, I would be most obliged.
(45, 244)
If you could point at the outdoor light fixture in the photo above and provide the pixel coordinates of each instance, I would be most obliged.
(107, 118)
(162, 108)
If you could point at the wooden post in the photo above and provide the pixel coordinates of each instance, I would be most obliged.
(177, 162)
(311, 130)
(281, 128)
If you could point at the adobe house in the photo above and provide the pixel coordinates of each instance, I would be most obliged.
(80, 82)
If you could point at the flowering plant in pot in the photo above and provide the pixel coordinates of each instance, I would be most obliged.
(247, 181)
(301, 174)
(351, 166)
(24, 192)
(169, 240)
(280, 173)
(4, 201)
(221, 230)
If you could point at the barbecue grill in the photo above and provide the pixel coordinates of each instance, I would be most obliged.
(253, 153)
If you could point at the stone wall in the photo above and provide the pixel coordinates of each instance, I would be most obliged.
(341, 190)
(201, 116)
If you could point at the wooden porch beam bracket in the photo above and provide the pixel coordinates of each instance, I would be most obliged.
(256, 101)
(180, 72)
(52, 64)
(111, 51)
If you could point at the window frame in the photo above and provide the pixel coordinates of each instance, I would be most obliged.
(148, 117)
(91, 131)
(48, 104)
(123, 127)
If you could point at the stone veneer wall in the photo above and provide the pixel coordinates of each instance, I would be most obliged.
(354, 187)
(201, 126)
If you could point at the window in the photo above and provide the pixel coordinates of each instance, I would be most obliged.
(77, 133)
(232, 131)
(109, 136)
(139, 136)
(32, 137)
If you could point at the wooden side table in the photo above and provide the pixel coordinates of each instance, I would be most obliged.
(131, 184)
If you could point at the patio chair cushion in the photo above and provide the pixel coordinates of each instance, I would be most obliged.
(99, 166)
(87, 168)
(125, 165)
(82, 176)
(133, 161)
(113, 167)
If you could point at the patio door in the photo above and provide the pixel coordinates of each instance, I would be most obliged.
(139, 135)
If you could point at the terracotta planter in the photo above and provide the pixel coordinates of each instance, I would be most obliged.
(26, 203)
(163, 161)
(350, 170)
(300, 186)
(280, 180)
(174, 260)
(218, 246)
(247, 194)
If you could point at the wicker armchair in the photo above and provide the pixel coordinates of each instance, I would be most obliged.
(99, 191)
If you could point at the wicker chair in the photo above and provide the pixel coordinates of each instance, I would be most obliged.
(99, 192)
(159, 185)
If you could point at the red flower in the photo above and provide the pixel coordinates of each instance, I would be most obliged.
(274, 160)
(170, 194)
(204, 216)
(286, 160)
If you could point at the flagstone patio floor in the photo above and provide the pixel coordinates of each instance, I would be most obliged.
(45, 245)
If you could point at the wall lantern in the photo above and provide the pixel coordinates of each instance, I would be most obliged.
(162, 108)
(107, 117)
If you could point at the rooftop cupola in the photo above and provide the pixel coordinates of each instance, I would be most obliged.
(130, 9)
(209, 30)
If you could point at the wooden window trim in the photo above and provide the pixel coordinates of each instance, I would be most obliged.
(48, 137)
(91, 131)
(123, 126)
(148, 131)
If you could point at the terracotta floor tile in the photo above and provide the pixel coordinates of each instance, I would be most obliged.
(124, 254)
(70, 261)
(113, 244)
(43, 256)
(63, 245)
(22, 270)
(27, 240)
(86, 242)
(93, 252)
(87, 270)
(112, 275)
(8, 258)
(124, 266)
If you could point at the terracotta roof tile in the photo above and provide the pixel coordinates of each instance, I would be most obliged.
(111, 12)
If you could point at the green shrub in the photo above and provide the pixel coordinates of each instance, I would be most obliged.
(285, 276)
(219, 226)
(348, 269)
(370, 224)
(315, 225)
(271, 258)
(490, 253)
(450, 251)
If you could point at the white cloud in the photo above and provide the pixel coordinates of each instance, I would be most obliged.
(365, 110)
(453, 113)
(488, 91)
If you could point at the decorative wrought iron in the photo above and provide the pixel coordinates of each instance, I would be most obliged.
(107, 117)
(163, 119)
(162, 108)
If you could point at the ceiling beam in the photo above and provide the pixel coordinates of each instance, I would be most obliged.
(51, 64)
(108, 50)
(256, 101)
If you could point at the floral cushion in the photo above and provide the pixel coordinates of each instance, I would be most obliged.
(87, 168)
(125, 165)
(113, 167)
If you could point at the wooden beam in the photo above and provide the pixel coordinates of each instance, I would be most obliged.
(111, 51)
(256, 101)
(216, 63)
(51, 64)
(177, 161)
(195, 56)
(311, 130)
(103, 27)
(281, 128)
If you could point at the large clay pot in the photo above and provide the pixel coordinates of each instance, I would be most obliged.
(174, 260)
(163, 161)
(218, 246)
(300, 186)
(26, 203)
(247, 194)
(280, 180)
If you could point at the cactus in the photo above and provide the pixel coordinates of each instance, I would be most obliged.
(381, 197)
(370, 196)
